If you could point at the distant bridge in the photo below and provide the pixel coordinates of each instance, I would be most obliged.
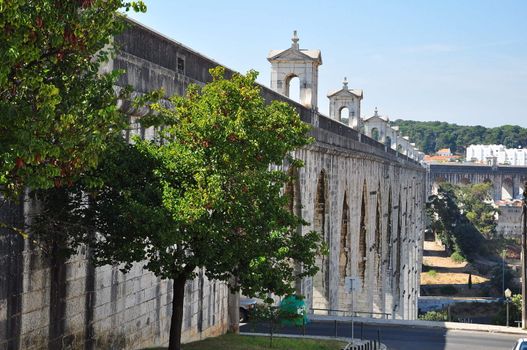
(508, 181)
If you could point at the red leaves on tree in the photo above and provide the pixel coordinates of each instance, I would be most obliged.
(19, 163)
(232, 137)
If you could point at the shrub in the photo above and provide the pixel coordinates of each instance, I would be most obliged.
(434, 316)
(426, 268)
(515, 313)
(457, 257)
(432, 273)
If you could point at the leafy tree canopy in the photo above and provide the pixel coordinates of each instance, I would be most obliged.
(207, 192)
(451, 220)
(475, 201)
(56, 108)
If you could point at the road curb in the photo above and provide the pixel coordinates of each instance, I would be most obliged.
(475, 327)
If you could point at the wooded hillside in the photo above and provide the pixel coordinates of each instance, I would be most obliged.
(432, 136)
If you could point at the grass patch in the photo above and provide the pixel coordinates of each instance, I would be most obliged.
(432, 273)
(240, 342)
(457, 257)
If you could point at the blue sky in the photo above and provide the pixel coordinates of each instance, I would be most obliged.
(462, 61)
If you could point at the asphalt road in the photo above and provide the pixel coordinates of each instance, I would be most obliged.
(404, 338)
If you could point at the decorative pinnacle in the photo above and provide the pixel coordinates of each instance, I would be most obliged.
(345, 84)
(295, 39)
(376, 113)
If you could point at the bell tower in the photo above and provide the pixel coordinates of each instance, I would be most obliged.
(344, 105)
(296, 62)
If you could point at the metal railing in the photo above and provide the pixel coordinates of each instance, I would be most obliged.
(365, 344)
(331, 312)
(369, 345)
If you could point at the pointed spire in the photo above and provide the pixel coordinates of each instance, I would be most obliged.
(295, 39)
(376, 113)
(345, 84)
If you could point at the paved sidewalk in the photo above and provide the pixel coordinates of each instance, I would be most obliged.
(425, 324)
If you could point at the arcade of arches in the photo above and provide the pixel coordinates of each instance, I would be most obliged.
(369, 235)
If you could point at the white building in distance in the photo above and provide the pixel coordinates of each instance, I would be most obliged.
(510, 218)
(496, 154)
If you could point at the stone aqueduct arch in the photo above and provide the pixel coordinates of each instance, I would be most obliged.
(369, 235)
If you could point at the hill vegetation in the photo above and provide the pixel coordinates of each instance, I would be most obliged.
(432, 136)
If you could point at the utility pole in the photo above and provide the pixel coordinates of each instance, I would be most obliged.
(524, 256)
(503, 271)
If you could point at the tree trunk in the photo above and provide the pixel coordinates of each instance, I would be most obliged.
(176, 322)
(234, 312)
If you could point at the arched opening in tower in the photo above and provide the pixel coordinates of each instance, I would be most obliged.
(344, 115)
(375, 134)
(292, 88)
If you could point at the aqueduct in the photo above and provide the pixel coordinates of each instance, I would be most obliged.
(364, 198)
(507, 181)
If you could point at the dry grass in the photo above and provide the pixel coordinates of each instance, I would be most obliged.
(448, 272)
(450, 278)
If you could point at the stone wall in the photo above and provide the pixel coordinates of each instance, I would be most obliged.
(46, 303)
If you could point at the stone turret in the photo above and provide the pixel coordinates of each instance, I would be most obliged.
(348, 100)
(296, 62)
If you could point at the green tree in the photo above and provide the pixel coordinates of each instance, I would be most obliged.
(56, 108)
(444, 215)
(515, 313)
(207, 193)
(450, 223)
(475, 200)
